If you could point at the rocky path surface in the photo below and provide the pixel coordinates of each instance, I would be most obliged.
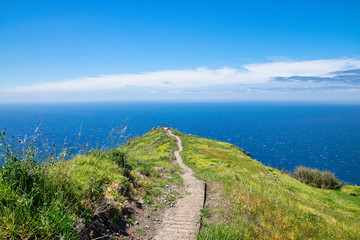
(182, 221)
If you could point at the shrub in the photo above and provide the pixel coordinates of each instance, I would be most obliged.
(148, 170)
(119, 158)
(317, 178)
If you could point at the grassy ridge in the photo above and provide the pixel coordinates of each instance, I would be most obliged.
(259, 202)
(92, 195)
(154, 150)
(86, 197)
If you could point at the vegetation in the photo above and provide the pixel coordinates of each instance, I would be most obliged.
(94, 195)
(247, 200)
(86, 197)
(317, 178)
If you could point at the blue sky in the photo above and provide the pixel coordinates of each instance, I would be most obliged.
(60, 51)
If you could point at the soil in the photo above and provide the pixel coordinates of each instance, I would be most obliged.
(182, 221)
(179, 219)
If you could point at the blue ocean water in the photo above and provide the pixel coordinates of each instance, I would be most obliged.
(277, 134)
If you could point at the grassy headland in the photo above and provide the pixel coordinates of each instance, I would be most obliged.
(93, 195)
(258, 202)
(97, 194)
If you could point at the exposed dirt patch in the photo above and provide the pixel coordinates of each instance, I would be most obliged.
(174, 214)
(182, 221)
(145, 219)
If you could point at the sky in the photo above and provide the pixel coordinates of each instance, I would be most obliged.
(127, 50)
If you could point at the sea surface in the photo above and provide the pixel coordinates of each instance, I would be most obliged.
(281, 135)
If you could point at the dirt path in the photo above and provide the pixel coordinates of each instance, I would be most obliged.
(182, 221)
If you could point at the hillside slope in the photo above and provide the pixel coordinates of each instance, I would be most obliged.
(123, 194)
(119, 194)
(249, 200)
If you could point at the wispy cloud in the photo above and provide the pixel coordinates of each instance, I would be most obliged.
(345, 77)
(249, 81)
(257, 73)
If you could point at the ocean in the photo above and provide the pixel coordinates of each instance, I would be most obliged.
(281, 135)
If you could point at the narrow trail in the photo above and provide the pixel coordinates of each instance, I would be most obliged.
(182, 221)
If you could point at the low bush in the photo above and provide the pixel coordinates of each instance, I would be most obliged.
(317, 178)
(119, 158)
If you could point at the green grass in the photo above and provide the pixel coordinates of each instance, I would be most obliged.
(351, 190)
(87, 194)
(259, 202)
(153, 151)
(70, 199)
(140, 230)
(63, 199)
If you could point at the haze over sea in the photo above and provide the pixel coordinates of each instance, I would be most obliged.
(282, 135)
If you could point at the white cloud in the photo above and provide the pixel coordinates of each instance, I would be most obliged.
(256, 73)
